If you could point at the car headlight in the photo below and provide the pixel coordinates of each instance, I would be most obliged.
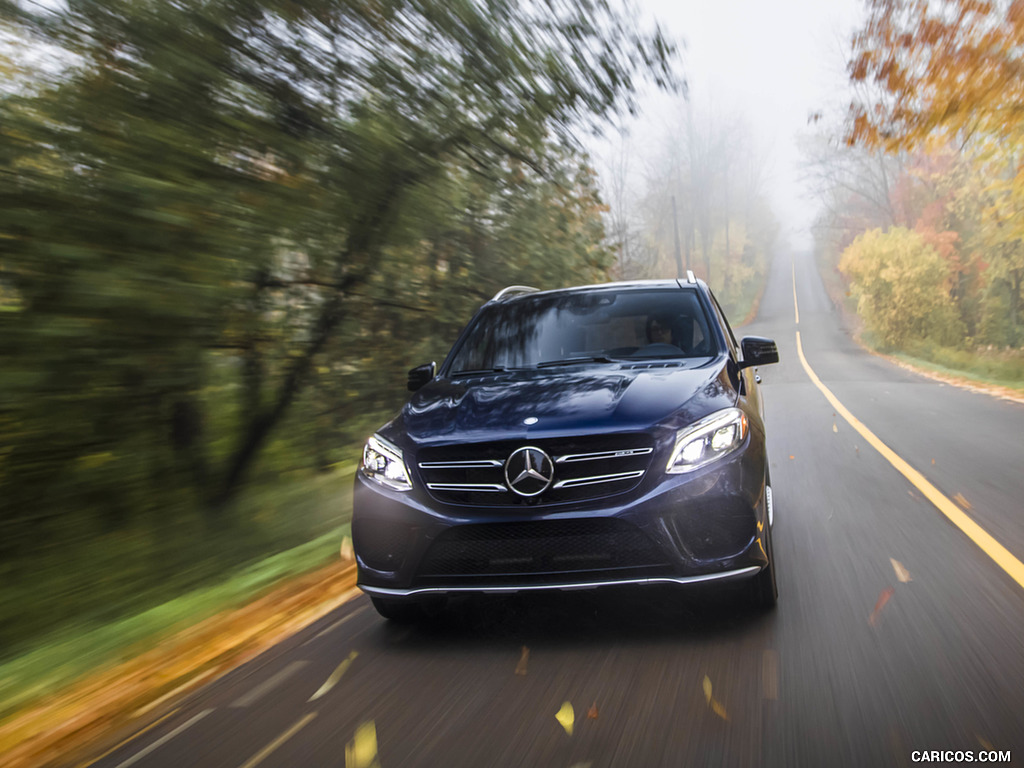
(383, 463)
(708, 440)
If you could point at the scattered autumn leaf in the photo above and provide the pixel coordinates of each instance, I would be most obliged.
(361, 752)
(901, 573)
(959, 499)
(524, 658)
(792, 456)
(592, 712)
(883, 598)
(716, 707)
(566, 717)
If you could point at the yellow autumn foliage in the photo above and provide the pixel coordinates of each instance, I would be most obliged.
(902, 288)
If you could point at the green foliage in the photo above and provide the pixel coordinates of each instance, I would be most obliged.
(1004, 367)
(229, 228)
(902, 287)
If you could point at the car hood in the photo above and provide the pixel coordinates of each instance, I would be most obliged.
(593, 400)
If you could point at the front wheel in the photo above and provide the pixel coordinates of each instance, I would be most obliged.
(408, 611)
(764, 593)
(400, 611)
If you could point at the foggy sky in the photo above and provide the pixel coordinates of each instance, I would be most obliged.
(775, 63)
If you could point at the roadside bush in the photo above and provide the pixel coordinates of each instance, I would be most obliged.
(902, 288)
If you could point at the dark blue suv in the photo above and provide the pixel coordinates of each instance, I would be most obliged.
(576, 438)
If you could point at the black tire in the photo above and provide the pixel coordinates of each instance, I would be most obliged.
(410, 611)
(400, 611)
(763, 591)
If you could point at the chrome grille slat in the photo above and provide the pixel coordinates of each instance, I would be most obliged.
(469, 464)
(489, 487)
(574, 457)
(575, 482)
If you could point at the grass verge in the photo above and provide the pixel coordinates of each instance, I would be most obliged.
(70, 669)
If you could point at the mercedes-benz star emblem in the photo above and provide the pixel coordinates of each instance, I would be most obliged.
(529, 471)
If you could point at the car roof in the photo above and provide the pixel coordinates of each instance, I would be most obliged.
(521, 291)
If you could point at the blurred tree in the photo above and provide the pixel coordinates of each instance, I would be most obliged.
(704, 194)
(949, 73)
(214, 214)
(950, 67)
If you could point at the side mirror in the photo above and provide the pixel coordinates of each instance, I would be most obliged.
(758, 351)
(421, 375)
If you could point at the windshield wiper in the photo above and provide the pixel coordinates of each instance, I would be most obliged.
(575, 361)
(480, 371)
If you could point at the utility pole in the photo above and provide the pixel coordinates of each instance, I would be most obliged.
(680, 272)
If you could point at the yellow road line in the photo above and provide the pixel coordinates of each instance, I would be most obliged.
(131, 738)
(975, 532)
(796, 307)
(264, 753)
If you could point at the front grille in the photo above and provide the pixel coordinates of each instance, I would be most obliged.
(584, 468)
(538, 548)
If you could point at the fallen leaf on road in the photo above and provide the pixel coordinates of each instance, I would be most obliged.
(592, 712)
(361, 752)
(933, 462)
(335, 676)
(566, 717)
(716, 707)
(959, 499)
(883, 598)
(523, 659)
(901, 573)
(792, 456)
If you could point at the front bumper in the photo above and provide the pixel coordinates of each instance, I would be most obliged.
(672, 529)
(741, 573)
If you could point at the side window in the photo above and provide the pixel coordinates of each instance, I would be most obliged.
(729, 337)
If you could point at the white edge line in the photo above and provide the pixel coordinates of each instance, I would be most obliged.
(187, 684)
(268, 685)
(164, 739)
(336, 624)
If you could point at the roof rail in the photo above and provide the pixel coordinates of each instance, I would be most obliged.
(513, 290)
(689, 277)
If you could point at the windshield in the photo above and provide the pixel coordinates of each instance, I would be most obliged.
(591, 326)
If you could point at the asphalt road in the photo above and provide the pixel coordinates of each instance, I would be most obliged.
(857, 666)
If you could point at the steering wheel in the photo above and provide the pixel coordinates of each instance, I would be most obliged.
(659, 349)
